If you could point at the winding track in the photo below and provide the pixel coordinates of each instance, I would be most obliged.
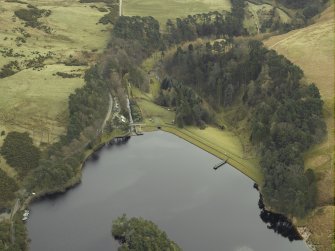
(108, 113)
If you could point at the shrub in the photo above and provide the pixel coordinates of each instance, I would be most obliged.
(31, 16)
(9, 69)
(109, 18)
(68, 75)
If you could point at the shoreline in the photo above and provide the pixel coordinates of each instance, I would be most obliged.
(76, 180)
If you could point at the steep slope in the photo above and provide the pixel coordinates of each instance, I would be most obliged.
(312, 48)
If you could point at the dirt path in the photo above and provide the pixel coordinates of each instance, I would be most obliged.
(110, 107)
(15, 208)
(120, 8)
(129, 110)
(12, 227)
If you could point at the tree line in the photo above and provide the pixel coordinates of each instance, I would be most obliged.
(8, 188)
(286, 121)
(146, 30)
(301, 4)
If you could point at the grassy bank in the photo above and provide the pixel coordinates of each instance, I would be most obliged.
(248, 167)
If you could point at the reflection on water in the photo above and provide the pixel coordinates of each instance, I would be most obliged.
(278, 222)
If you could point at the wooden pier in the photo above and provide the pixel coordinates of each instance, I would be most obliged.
(217, 166)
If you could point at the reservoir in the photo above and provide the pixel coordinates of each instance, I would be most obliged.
(167, 180)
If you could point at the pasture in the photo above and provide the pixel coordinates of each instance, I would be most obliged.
(35, 98)
(171, 9)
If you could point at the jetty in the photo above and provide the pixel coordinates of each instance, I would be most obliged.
(217, 166)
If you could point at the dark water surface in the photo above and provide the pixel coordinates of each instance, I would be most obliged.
(164, 179)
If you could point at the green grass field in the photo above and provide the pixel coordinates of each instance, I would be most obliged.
(163, 10)
(36, 100)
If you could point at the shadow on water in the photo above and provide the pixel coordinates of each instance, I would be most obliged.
(277, 222)
(55, 195)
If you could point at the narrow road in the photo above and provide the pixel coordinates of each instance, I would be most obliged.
(15, 208)
(12, 227)
(110, 107)
(129, 109)
(132, 128)
(120, 8)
